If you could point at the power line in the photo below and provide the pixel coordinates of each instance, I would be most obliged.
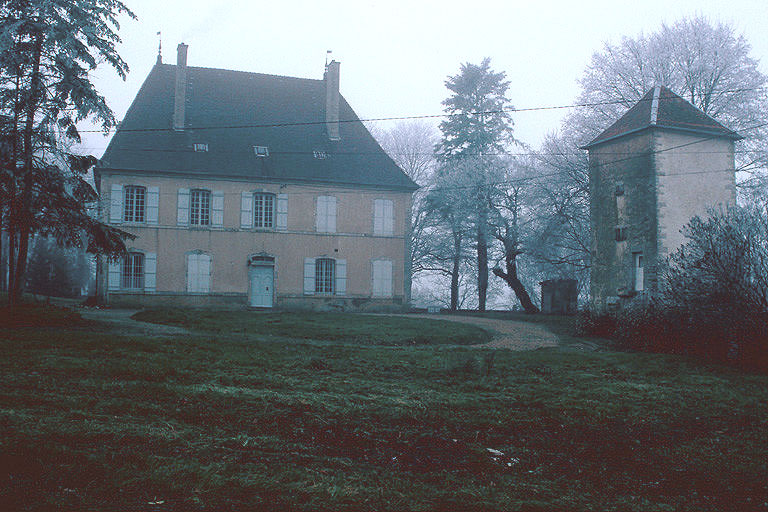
(362, 153)
(558, 173)
(398, 118)
(612, 162)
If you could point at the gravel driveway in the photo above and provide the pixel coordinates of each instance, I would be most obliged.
(508, 334)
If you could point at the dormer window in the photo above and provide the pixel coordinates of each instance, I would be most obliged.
(201, 147)
(261, 151)
(320, 155)
(619, 191)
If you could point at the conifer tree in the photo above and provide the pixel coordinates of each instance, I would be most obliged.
(47, 50)
(477, 131)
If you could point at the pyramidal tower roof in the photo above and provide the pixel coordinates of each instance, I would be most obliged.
(662, 108)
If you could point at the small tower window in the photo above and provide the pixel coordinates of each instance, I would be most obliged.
(621, 233)
(201, 147)
(639, 272)
(261, 151)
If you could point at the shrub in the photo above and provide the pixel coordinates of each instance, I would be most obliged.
(713, 301)
(591, 323)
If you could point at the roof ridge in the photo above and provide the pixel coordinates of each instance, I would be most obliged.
(655, 105)
(240, 71)
(665, 110)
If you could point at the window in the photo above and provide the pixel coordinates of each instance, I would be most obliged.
(382, 278)
(134, 204)
(320, 155)
(325, 275)
(326, 214)
(621, 233)
(383, 217)
(200, 208)
(198, 273)
(132, 274)
(261, 151)
(619, 191)
(639, 272)
(201, 148)
(263, 210)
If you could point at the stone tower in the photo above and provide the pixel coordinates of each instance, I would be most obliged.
(659, 165)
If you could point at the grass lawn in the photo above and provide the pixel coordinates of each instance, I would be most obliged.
(90, 419)
(340, 327)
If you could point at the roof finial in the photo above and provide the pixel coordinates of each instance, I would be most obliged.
(327, 53)
(159, 47)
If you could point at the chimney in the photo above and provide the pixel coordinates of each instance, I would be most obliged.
(332, 100)
(180, 98)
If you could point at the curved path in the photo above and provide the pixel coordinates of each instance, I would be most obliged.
(508, 334)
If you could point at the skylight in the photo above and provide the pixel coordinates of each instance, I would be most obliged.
(201, 147)
(261, 151)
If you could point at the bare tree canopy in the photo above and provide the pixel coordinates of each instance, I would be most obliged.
(704, 62)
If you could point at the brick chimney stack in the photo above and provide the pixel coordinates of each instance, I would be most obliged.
(180, 98)
(332, 100)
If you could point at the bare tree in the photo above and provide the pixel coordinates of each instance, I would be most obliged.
(446, 214)
(706, 63)
(410, 144)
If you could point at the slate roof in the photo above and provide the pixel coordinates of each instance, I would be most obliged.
(662, 108)
(233, 111)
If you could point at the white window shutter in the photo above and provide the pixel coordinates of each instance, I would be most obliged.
(321, 214)
(386, 278)
(331, 214)
(114, 275)
(382, 278)
(153, 204)
(217, 208)
(182, 211)
(116, 204)
(309, 276)
(191, 272)
(341, 277)
(204, 270)
(246, 210)
(389, 217)
(150, 271)
(378, 217)
(282, 212)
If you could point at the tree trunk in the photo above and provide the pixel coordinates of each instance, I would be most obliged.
(455, 271)
(3, 261)
(510, 277)
(24, 208)
(482, 259)
(20, 266)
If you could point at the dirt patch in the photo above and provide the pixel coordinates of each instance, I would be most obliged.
(120, 320)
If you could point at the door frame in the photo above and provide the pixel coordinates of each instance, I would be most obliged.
(262, 259)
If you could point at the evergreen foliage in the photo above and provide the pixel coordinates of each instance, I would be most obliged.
(47, 50)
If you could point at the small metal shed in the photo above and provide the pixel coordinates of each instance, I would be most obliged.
(559, 296)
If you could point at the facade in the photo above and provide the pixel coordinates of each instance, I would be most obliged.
(661, 164)
(253, 190)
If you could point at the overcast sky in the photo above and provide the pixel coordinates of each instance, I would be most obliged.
(395, 54)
